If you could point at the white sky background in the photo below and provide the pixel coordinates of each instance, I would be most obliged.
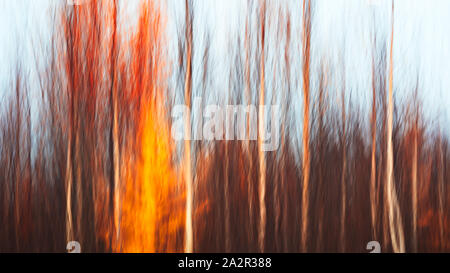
(421, 42)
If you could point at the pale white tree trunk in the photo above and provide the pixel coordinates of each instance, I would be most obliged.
(189, 238)
(395, 220)
(68, 182)
(189, 187)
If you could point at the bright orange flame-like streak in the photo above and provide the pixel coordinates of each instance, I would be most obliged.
(153, 212)
(152, 216)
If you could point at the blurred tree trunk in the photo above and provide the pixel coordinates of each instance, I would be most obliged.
(70, 20)
(261, 129)
(187, 130)
(114, 132)
(373, 188)
(395, 221)
(249, 150)
(306, 141)
(284, 149)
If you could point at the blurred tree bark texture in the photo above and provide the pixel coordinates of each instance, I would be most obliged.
(87, 154)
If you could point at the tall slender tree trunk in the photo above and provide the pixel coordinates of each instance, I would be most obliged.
(284, 184)
(71, 97)
(68, 186)
(395, 221)
(188, 245)
(276, 195)
(249, 151)
(373, 188)
(78, 185)
(306, 97)
(261, 129)
(114, 134)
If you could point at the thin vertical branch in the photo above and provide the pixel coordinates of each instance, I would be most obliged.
(248, 149)
(306, 98)
(283, 134)
(373, 188)
(187, 130)
(261, 125)
(395, 222)
(114, 131)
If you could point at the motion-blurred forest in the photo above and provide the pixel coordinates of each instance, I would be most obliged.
(87, 153)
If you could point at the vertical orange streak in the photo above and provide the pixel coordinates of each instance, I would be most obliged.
(152, 210)
(261, 124)
(395, 222)
(373, 193)
(305, 142)
(189, 244)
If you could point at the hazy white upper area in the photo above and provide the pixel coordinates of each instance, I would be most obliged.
(421, 45)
